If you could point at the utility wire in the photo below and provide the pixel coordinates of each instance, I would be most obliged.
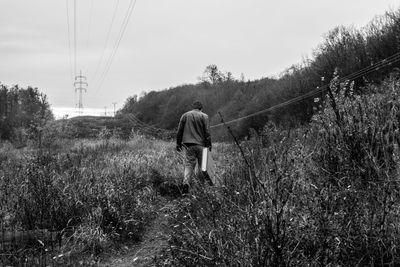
(124, 25)
(107, 39)
(385, 62)
(89, 35)
(143, 127)
(147, 127)
(116, 46)
(69, 43)
(75, 37)
(382, 63)
(141, 124)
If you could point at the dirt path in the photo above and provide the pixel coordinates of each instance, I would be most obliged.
(154, 241)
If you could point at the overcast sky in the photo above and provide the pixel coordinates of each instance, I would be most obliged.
(166, 42)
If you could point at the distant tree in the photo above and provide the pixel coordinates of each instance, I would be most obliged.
(129, 105)
(343, 48)
(212, 75)
(22, 110)
(229, 77)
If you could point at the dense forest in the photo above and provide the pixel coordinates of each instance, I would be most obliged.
(344, 51)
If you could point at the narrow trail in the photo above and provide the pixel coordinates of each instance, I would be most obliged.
(154, 241)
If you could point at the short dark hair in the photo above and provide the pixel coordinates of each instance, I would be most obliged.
(197, 105)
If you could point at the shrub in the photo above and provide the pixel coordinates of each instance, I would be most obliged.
(355, 180)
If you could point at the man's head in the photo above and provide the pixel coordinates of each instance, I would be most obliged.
(197, 105)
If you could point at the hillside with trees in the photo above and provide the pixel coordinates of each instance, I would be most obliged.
(344, 51)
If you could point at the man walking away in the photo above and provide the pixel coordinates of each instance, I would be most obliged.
(193, 134)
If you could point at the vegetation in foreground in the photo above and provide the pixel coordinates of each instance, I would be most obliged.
(324, 195)
(97, 194)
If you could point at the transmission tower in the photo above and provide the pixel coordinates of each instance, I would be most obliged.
(80, 85)
(114, 103)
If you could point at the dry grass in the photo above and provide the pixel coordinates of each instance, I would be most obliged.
(323, 195)
(98, 193)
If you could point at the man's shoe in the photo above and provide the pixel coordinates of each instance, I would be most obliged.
(185, 189)
(208, 178)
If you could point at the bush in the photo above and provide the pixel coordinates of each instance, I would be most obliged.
(356, 184)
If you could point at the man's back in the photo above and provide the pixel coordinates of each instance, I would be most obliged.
(194, 134)
(194, 128)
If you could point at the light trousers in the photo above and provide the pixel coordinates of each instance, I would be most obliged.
(193, 155)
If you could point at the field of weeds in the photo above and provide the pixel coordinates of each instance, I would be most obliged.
(95, 194)
(326, 194)
(323, 194)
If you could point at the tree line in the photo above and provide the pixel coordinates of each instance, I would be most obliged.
(344, 51)
(23, 113)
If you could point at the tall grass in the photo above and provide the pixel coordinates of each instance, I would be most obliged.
(322, 195)
(96, 193)
(325, 194)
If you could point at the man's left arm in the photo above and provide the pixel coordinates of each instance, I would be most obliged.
(179, 134)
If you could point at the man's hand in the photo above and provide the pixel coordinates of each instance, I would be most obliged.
(179, 148)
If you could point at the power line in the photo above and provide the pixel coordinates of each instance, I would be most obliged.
(116, 46)
(89, 35)
(107, 39)
(146, 127)
(385, 62)
(90, 24)
(75, 37)
(124, 25)
(69, 43)
(114, 104)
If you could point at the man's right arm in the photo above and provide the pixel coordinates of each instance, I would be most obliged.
(179, 134)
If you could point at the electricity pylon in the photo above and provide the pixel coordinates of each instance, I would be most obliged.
(114, 103)
(80, 85)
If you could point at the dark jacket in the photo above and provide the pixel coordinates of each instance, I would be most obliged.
(194, 128)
